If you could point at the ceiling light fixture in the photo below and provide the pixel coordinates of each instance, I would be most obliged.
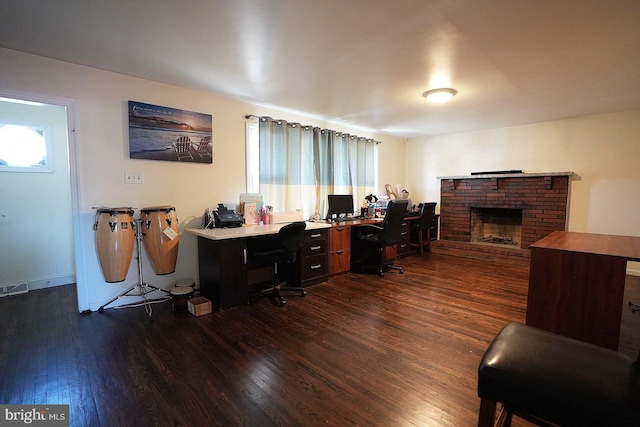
(440, 95)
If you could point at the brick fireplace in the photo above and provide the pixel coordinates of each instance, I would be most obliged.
(500, 214)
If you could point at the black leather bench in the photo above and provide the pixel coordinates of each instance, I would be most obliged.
(542, 376)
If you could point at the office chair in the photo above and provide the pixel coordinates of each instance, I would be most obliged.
(290, 240)
(421, 230)
(388, 234)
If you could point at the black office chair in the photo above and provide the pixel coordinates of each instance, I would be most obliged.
(387, 234)
(421, 230)
(290, 239)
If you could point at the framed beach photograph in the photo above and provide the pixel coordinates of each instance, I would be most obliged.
(164, 133)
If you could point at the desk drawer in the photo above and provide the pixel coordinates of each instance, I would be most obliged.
(315, 235)
(339, 249)
(314, 266)
(403, 248)
(315, 243)
(339, 261)
(339, 238)
(405, 230)
(434, 227)
(313, 248)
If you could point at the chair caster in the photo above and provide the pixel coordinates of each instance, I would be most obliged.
(401, 271)
(381, 273)
(303, 293)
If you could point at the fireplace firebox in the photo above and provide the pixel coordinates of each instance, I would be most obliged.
(496, 226)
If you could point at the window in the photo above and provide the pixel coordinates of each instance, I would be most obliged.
(297, 166)
(25, 147)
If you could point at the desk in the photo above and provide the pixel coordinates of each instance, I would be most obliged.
(576, 285)
(223, 256)
(342, 253)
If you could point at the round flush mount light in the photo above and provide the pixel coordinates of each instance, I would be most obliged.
(439, 96)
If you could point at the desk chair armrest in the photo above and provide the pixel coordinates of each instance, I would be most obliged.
(367, 229)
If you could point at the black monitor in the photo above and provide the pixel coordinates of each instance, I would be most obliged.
(339, 204)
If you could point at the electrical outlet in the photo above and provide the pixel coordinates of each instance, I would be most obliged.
(133, 178)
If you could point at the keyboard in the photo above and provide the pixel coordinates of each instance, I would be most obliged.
(348, 218)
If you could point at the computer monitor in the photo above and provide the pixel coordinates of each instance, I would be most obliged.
(339, 204)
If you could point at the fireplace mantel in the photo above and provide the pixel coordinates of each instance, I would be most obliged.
(507, 175)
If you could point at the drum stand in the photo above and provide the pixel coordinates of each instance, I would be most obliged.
(143, 288)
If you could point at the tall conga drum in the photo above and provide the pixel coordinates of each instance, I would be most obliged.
(160, 236)
(115, 235)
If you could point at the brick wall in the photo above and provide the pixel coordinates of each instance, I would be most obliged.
(542, 198)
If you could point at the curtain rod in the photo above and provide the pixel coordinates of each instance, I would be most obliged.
(294, 124)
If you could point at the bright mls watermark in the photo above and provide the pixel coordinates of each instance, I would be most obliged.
(37, 415)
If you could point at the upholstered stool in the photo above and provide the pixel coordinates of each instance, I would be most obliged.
(542, 376)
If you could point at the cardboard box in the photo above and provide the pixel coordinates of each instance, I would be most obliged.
(199, 306)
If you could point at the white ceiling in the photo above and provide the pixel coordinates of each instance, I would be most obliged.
(364, 63)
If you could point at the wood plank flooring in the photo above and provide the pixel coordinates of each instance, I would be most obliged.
(401, 350)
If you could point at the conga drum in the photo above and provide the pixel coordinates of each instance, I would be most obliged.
(115, 235)
(179, 297)
(160, 236)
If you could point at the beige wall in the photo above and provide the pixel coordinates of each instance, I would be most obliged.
(602, 151)
(103, 158)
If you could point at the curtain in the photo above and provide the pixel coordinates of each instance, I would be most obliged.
(301, 165)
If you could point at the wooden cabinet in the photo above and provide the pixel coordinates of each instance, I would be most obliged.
(223, 271)
(314, 265)
(339, 249)
(576, 285)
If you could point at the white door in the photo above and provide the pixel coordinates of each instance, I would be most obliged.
(36, 220)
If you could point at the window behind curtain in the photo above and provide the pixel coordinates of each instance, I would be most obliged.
(300, 165)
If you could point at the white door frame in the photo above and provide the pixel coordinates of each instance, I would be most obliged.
(70, 105)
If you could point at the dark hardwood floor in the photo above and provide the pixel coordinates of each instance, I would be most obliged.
(358, 350)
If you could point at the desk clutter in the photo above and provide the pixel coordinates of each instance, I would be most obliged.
(252, 211)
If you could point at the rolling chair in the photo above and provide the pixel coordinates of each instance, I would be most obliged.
(421, 230)
(290, 240)
(388, 234)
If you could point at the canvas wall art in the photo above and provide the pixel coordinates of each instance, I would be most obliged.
(164, 133)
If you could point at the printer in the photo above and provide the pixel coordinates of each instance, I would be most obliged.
(226, 218)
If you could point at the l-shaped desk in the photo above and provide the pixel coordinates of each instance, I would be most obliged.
(223, 259)
(223, 256)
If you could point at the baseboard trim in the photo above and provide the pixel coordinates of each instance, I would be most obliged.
(51, 282)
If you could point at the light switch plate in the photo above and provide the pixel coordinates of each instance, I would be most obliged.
(133, 178)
